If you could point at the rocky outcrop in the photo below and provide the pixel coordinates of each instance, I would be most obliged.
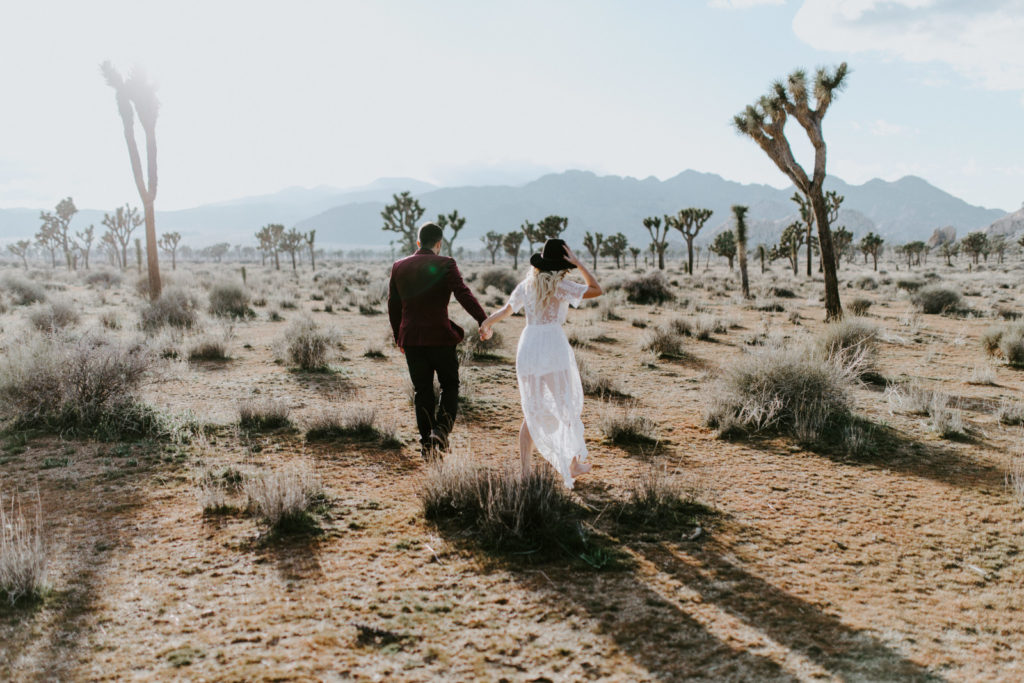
(942, 236)
(1010, 224)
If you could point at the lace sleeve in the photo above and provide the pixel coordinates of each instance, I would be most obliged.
(518, 298)
(572, 292)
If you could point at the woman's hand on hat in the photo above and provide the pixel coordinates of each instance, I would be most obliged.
(571, 257)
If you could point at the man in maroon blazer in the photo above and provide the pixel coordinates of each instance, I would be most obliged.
(421, 286)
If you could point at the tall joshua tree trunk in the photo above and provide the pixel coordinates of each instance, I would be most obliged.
(137, 92)
(765, 123)
(740, 212)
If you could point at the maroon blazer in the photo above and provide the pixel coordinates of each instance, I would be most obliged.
(421, 287)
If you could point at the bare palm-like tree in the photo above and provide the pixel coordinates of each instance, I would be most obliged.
(765, 122)
(137, 95)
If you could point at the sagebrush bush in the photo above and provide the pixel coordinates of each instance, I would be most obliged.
(652, 288)
(309, 345)
(209, 347)
(792, 391)
(596, 383)
(626, 425)
(656, 497)
(23, 553)
(357, 423)
(284, 498)
(866, 282)
(909, 285)
(262, 414)
(1011, 346)
(77, 386)
(849, 338)
(176, 307)
(937, 299)
(230, 300)
(54, 316)
(104, 278)
(23, 292)
(664, 343)
(502, 510)
(991, 338)
(502, 279)
(859, 306)
(1011, 412)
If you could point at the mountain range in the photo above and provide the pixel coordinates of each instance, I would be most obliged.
(900, 211)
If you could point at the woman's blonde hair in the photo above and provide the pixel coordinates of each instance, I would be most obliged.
(544, 285)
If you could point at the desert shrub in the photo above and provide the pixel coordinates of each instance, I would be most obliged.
(263, 414)
(1015, 478)
(54, 316)
(909, 285)
(308, 345)
(983, 375)
(792, 391)
(914, 398)
(474, 348)
(658, 498)
(859, 306)
(707, 325)
(664, 343)
(284, 498)
(780, 293)
(682, 326)
(1007, 313)
(1011, 346)
(110, 320)
(230, 300)
(769, 306)
(83, 386)
(606, 309)
(993, 336)
(359, 423)
(23, 292)
(502, 510)
(946, 420)
(103, 278)
(502, 279)
(209, 347)
(937, 299)
(142, 284)
(626, 425)
(652, 288)
(866, 282)
(850, 338)
(176, 307)
(1011, 412)
(639, 323)
(596, 383)
(23, 554)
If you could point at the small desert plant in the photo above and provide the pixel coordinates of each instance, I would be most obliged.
(308, 345)
(652, 288)
(1011, 346)
(991, 337)
(982, 374)
(664, 343)
(23, 292)
(1015, 478)
(176, 307)
(103, 278)
(937, 299)
(909, 285)
(110, 320)
(859, 306)
(1011, 412)
(596, 383)
(23, 554)
(780, 293)
(374, 352)
(866, 282)
(263, 414)
(211, 493)
(359, 423)
(230, 300)
(708, 325)
(848, 338)
(626, 425)
(793, 391)
(54, 316)
(656, 497)
(502, 279)
(947, 420)
(212, 347)
(284, 498)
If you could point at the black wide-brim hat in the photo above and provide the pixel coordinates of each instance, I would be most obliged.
(552, 257)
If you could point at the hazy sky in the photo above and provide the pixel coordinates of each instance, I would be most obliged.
(258, 96)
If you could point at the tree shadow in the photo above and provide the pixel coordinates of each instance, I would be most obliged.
(295, 558)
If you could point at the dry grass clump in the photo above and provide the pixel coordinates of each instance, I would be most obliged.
(664, 343)
(626, 425)
(659, 498)
(308, 345)
(210, 347)
(1011, 412)
(850, 338)
(708, 325)
(23, 292)
(23, 554)
(355, 423)
(652, 288)
(263, 414)
(475, 349)
(937, 299)
(792, 391)
(1015, 477)
(596, 383)
(54, 316)
(502, 279)
(230, 300)
(103, 278)
(212, 490)
(859, 306)
(284, 498)
(947, 420)
(176, 307)
(866, 282)
(982, 375)
(77, 386)
(501, 510)
(1006, 341)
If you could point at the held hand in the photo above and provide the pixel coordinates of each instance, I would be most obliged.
(486, 332)
(571, 257)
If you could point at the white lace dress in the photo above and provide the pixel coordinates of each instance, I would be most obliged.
(549, 380)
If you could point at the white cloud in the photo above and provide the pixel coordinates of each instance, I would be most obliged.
(742, 4)
(981, 41)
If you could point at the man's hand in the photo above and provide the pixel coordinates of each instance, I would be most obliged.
(402, 350)
(486, 332)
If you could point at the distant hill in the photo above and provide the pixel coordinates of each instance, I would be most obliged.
(904, 210)
(1010, 224)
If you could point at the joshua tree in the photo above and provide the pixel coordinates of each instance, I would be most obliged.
(552, 226)
(138, 93)
(120, 226)
(635, 252)
(948, 250)
(47, 239)
(169, 243)
(871, 244)
(138, 254)
(512, 243)
(401, 217)
(790, 240)
(85, 237)
(659, 238)
(765, 123)
(762, 253)
(740, 213)
(592, 243)
(807, 219)
(999, 244)
(725, 245)
(269, 237)
(615, 246)
(532, 234)
(58, 225)
(492, 243)
(975, 244)
(841, 240)
(291, 242)
(453, 221)
(20, 249)
(689, 222)
(310, 238)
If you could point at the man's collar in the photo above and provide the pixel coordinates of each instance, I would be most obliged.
(424, 250)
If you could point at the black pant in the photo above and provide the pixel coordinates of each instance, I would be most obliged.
(423, 362)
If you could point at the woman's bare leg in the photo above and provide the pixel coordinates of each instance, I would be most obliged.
(525, 447)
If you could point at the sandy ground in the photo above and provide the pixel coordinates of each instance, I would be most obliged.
(902, 565)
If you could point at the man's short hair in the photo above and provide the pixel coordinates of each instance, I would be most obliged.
(430, 234)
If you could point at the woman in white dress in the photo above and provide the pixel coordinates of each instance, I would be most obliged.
(549, 379)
